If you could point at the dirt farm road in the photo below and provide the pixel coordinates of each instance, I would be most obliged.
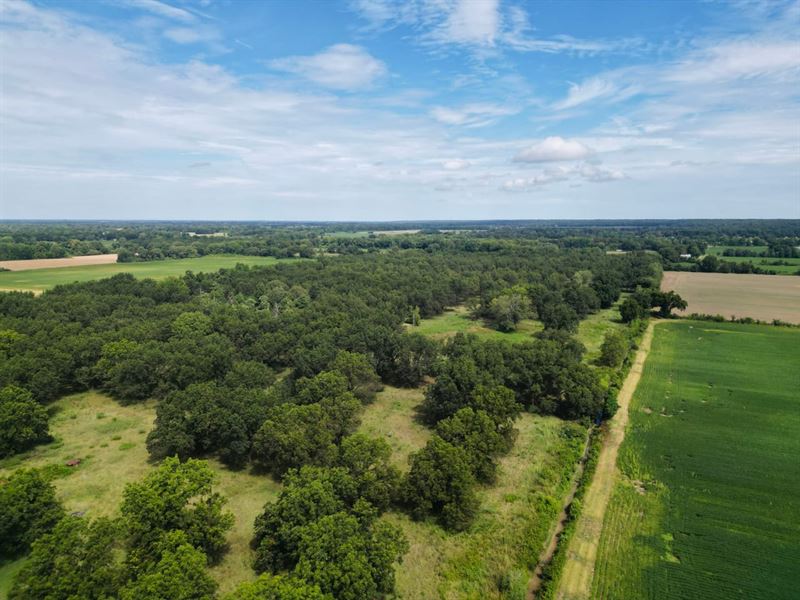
(576, 579)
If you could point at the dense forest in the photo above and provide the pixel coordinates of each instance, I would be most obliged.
(269, 369)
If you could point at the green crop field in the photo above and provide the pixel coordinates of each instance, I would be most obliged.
(708, 505)
(38, 280)
(761, 262)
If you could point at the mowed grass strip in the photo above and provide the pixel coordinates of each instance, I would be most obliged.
(709, 504)
(39, 280)
(109, 438)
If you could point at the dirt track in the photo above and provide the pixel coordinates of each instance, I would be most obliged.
(54, 263)
(576, 579)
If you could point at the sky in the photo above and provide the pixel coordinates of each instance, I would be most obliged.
(382, 110)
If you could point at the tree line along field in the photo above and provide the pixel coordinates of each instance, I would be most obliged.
(792, 266)
(707, 505)
(38, 280)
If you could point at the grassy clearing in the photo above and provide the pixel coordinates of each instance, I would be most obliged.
(762, 262)
(392, 416)
(593, 329)
(42, 279)
(458, 320)
(109, 438)
(502, 547)
(708, 502)
(8, 571)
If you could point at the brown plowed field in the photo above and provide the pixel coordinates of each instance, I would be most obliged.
(764, 297)
(54, 263)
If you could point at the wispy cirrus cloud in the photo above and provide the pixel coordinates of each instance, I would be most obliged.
(472, 115)
(341, 66)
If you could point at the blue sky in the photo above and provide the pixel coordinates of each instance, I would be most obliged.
(383, 110)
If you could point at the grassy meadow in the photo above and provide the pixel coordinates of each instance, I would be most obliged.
(516, 516)
(109, 438)
(707, 505)
(39, 280)
(458, 320)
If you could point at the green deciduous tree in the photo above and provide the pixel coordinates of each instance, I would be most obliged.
(23, 421)
(28, 509)
(176, 496)
(77, 559)
(440, 483)
(277, 587)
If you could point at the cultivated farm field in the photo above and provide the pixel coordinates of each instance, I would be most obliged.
(707, 506)
(39, 280)
(58, 263)
(763, 297)
(762, 262)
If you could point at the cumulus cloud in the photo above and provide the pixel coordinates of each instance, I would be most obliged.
(553, 148)
(341, 66)
(472, 115)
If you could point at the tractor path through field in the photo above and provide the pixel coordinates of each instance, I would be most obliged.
(576, 579)
(535, 582)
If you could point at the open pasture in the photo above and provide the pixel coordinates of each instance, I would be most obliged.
(109, 438)
(762, 297)
(42, 279)
(707, 506)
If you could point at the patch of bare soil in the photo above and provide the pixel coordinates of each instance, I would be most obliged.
(55, 263)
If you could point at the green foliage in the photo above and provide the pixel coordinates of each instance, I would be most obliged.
(441, 484)
(178, 573)
(362, 380)
(176, 496)
(368, 462)
(77, 559)
(349, 558)
(292, 436)
(509, 308)
(277, 587)
(23, 421)
(614, 350)
(28, 509)
(191, 324)
(477, 433)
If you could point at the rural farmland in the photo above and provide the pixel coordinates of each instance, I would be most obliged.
(40, 279)
(707, 504)
(762, 297)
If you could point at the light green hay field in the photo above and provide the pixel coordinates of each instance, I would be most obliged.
(457, 320)
(758, 261)
(41, 279)
(109, 438)
(707, 506)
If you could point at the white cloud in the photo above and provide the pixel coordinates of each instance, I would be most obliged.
(580, 172)
(591, 89)
(740, 59)
(163, 9)
(191, 35)
(342, 66)
(472, 22)
(553, 148)
(472, 115)
(455, 164)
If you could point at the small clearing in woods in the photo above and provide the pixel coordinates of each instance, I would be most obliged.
(764, 297)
